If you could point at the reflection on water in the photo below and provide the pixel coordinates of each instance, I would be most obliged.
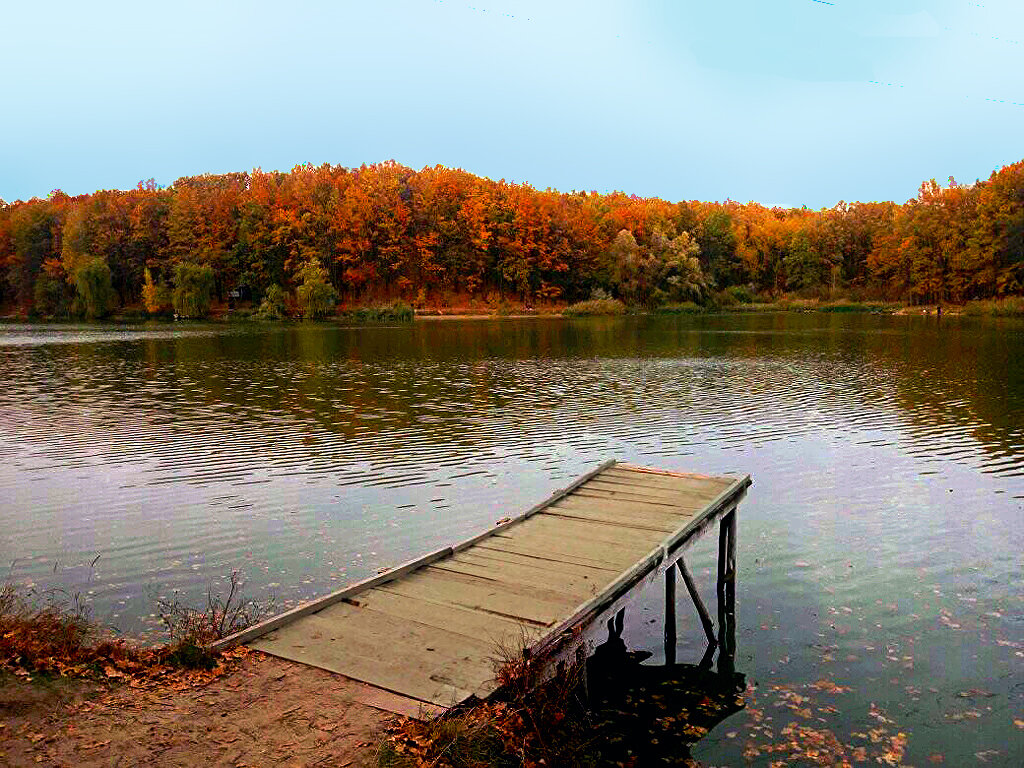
(879, 548)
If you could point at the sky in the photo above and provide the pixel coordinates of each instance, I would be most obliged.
(782, 102)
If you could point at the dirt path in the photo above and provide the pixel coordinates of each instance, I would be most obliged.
(264, 712)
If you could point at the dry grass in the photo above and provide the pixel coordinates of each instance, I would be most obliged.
(521, 724)
(53, 632)
(222, 616)
(44, 630)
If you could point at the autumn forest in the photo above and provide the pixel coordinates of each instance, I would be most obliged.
(320, 236)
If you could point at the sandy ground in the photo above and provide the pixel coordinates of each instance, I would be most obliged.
(264, 712)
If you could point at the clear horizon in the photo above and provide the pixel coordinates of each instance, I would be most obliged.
(802, 102)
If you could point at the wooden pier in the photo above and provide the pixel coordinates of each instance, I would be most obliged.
(541, 584)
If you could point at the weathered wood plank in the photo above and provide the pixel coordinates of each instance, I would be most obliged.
(664, 472)
(625, 510)
(680, 503)
(661, 494)
(463, 621)
(529, 549)
(553, 593)
(598, 532)
(555, 568)
(671, 482)
(422, 679)
(615, 553)
(668, 482)
(523, 577)
(623, 507)
(589, 492)
(479, 597)
(634, 522)
(688, 495)
(351, 624)
(597, 517)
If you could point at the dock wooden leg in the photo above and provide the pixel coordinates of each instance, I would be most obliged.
(670, 615)
(691, 587)
(723, 555)
(730, 584)
(727, 593)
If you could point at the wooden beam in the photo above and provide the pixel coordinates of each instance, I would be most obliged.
(670, 615)
(691, 587)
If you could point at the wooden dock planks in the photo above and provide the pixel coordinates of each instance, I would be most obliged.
(438, 629)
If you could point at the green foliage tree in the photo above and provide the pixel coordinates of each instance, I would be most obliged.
(34, 236)
(94, 288)
(805, 269)
(273, 305)
(680, 276)
(155, 295)
(50, 296)
(315, 295)
(193, 290)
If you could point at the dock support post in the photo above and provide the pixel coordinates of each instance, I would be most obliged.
(727, 593)
(670, 615)
(691, 587)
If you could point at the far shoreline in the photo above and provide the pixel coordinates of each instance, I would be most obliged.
(1008, 307)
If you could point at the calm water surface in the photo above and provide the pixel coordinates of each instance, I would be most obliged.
(880, 586)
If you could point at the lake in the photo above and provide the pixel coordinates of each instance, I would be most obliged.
(880, 588)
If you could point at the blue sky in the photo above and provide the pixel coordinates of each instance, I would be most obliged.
(791, 102)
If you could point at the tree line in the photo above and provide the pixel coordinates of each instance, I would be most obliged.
(318, 235)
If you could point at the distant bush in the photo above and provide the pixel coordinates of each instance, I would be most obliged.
(681, 308)
(193, 290)
(273, 305)
(595, 307)
(846, 306)
(397, 312)
(1011, 306)
(740, 294)
(94, 288)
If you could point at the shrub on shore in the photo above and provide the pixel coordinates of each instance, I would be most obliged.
(273, 305)
(1012, 306)
(680, 308)
(399, 311)
(52, 632)
(595, 307)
